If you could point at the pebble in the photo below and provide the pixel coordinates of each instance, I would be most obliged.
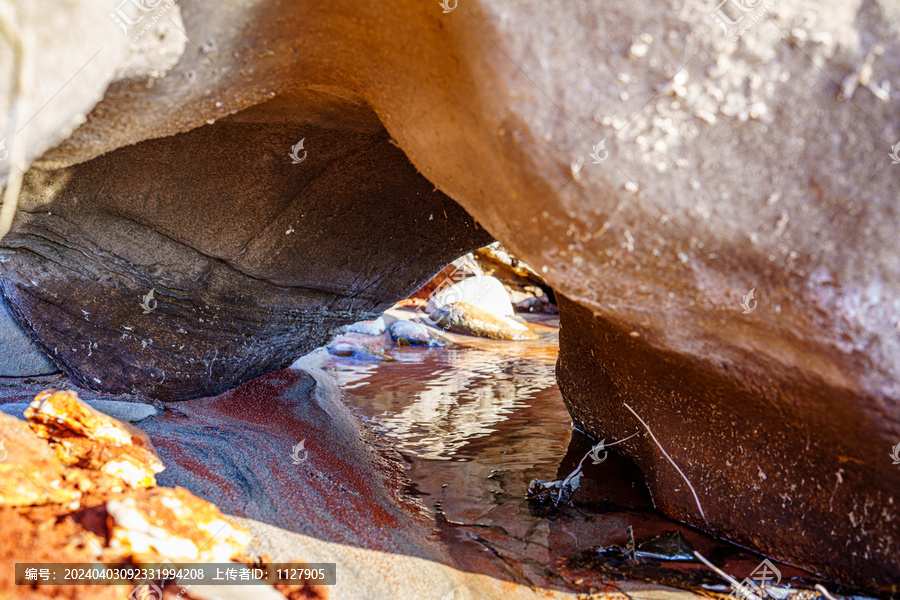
(375, 327)
(462, 317)
(412, 333)
(124, 411)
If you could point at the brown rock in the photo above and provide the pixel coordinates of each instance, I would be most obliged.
(30, 472)
(249, 270)
(743, 455)
(84, 437)
(173, 524)
(462, 317)
(53, 533)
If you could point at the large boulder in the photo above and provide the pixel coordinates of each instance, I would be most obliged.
(160, 269)
(655, 164)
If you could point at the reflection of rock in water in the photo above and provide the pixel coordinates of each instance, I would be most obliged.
(471, 392)
(478, 424)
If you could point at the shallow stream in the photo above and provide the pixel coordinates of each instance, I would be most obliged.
(476, 423)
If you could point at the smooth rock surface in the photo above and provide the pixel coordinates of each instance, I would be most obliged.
(20, 356)
(411, 333)
(375, 327)
(462, 317)
(240, 285)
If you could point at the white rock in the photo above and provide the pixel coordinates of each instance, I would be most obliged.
(485, 292)
(375, 327)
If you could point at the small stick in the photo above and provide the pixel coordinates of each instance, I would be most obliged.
(734, 582)
(680, 472)
(824, 592)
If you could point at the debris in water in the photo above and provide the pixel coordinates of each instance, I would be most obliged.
(540, 491)
(669, 545)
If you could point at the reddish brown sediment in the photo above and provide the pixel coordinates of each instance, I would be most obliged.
(213, 441)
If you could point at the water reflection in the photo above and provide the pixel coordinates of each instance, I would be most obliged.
(477, 422)
(433, 402)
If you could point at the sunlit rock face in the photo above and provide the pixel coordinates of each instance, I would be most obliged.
(728, 164)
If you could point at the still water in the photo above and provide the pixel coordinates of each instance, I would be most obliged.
(477, 421)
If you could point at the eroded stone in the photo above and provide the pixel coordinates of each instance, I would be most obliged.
(84, 437)
(462, 317)
(172, 523)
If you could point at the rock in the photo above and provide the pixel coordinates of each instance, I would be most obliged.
(19, 355)
(124, 411)
(496, 261)
(61, 499)
(486, 293)
(30, 472)
(86, 438)
(79, 39)
(407, 332)
(462, 317)
(342, 349)
(652, 187)
(537, 302)
(361, 346)
(375, 327)
(174, 524)
(602, 368)
(49, 534)
(229, 303)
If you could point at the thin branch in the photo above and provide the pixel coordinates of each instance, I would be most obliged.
(680, 472)
(740, 587)
(824, 592)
